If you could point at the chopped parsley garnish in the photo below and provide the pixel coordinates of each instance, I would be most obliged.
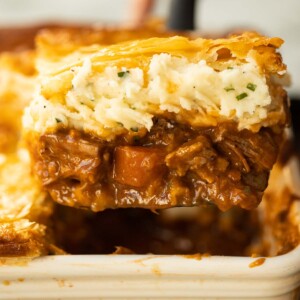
(122, 73)
(230, 68)
(120, 124)
(136, 138)
(134, 129)
(251, 86)
(229, 88)
(58, 120)
(241, 96)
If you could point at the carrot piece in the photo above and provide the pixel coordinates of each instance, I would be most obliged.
(137, 166)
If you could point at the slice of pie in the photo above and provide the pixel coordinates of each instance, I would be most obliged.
(159, 122)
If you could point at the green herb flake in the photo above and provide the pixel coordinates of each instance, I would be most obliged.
(136, 138)
(252, 87)
(230, 68)
(58, 120)
(134, 129)
(229, 88)
(120, 124)
(122, 73)
(81, 103)
(241, 96)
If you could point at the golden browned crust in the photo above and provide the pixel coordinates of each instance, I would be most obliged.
(21, 62)
(22, 38)
(62, 41)
(24, 209)
(139, 52)
(280, 211)
(23, 238)
(17, 74)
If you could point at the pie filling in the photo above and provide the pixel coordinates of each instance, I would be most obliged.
(171, 165)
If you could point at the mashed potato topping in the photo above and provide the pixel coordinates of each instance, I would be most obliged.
(119, 97)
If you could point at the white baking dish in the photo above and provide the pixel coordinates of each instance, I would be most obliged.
(152, 277)
(157, 277)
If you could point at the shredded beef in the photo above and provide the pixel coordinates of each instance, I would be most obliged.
(172, 165)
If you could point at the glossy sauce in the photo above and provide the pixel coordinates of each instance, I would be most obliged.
(172, 165)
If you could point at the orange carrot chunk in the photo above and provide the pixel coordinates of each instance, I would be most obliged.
(137, 166)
